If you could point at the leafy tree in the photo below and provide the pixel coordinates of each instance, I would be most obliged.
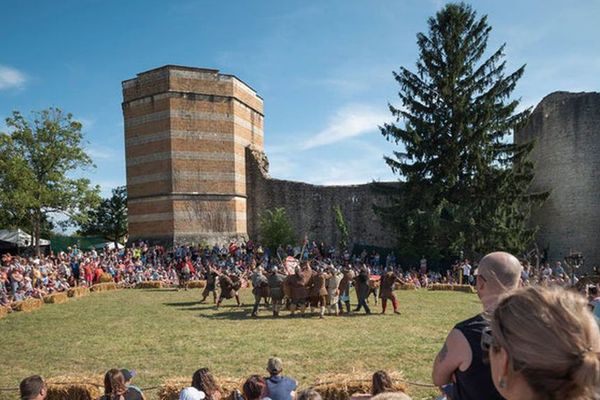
(465, 186)
(38, 158)
(109, 219)
(276, 229)
(340, 222)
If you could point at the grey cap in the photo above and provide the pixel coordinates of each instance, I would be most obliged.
(274, 365)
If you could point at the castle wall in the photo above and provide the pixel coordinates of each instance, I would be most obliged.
(310, 207)
(566, 128)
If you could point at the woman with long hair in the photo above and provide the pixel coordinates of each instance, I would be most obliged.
(116, 389)
(205, 382)
(544, 344)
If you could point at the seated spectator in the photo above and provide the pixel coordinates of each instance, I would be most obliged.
(33, 388)
(255, 388)
(382, 383)
(115, 388)
(309, 394)
(279, 387)
(191, 393)
(544, 344)
(391, 396)
(203, 381)
(129, 375)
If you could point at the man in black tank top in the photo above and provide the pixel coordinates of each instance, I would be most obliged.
(460, 364)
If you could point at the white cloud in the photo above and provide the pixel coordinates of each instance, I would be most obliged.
(100, 152)
(11, 78)
(350, 121)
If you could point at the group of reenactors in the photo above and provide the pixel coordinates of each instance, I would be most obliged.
(321, 288)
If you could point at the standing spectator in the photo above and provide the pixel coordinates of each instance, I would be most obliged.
(459, 366)
(33, 388)
(544, 344)
(466, 272)
(279, 387)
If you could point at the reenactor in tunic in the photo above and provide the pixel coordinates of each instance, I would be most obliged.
(276, 283)
(318, 291)
(229, 285)
(344, 289)
(333, 292)
(211, 284)
(260, 289)
(388, 282)
(298, 292)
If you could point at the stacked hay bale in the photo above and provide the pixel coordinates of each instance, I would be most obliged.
(455, 288)
(28, 305)
(196, 284)
(106, 277)
(3, 311)
(78, 291)
(149, 285)
(103, 287)
(56, 298)
(407, 286)
(171, 388)
(343, 386)
(74, 388)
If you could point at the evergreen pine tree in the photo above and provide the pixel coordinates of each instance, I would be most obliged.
(465, 186)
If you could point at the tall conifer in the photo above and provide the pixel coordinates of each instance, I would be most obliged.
(466, 186)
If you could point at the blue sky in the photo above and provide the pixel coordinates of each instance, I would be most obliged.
(322, 67)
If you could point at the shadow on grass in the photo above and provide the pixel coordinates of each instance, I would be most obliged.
(246, 314)
(184, 304)
(159, 290)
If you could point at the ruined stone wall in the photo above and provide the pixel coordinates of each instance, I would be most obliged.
(566, 128)
(186, 130)
(310, 207)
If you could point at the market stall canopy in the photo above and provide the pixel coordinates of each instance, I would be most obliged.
(19, 238)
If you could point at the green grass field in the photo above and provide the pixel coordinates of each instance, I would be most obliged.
(166, 333)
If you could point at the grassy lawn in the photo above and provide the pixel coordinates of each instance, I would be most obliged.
(165, 333)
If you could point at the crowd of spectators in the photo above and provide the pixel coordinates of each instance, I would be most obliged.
(24, 277)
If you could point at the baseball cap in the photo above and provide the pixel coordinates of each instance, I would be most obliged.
(127, 374)
(274, 365)
(191, 393)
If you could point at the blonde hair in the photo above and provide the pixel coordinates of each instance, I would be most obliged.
(552, 340)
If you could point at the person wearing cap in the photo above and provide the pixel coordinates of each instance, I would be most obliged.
(279, 387)
(459, 368)
(128, 375)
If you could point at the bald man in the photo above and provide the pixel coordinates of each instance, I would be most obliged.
(459, 368)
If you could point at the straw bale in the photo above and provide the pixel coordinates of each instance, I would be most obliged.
(78, 387)
(196, 284)
(103, 287)
(407, 286)
(56, 298)
(343, 386)
(149, 285)
(28, 305)
(171, 388)
(78, 291)
(464, 288)
(3, 311)
(106, 277)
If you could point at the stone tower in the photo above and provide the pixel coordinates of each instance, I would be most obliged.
(566, 129)
(186, 130)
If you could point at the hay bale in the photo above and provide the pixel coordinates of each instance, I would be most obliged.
(407, 286)
(149, 285)
(200, 284)
(343, 386)
(78, 291)
(171, 388)
(103, 287)
(106, 277)
(28, 305)
(75, 387)
(3, 311)
(464, 288)
(56, 298)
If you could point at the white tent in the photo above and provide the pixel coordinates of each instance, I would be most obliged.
(19, 238)
(109, 245)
